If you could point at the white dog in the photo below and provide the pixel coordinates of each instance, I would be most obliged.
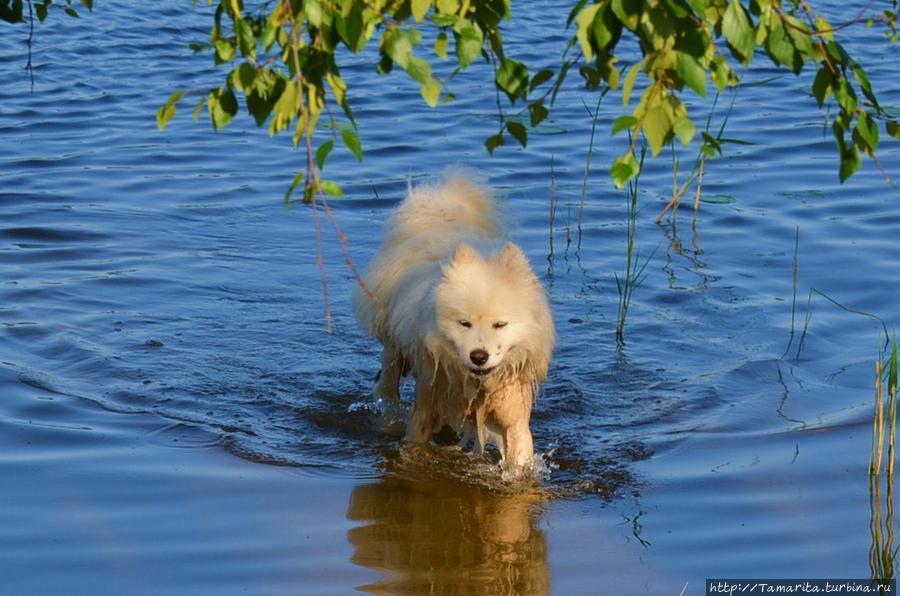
(459, 308)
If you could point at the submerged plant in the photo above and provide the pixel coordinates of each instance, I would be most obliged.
(883, 552)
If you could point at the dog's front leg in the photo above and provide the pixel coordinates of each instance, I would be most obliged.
(515, 417)
(519, 447)
(421, 420)
(387, 384)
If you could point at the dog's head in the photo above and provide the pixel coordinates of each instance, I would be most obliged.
(487, 309)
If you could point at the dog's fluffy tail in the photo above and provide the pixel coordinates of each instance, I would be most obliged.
(424, 230)
(448, 213)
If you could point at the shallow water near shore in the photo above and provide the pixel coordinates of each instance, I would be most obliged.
(174, 417)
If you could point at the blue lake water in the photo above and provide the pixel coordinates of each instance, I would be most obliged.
(176, 419)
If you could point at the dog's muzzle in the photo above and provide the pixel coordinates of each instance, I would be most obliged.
(482, 372)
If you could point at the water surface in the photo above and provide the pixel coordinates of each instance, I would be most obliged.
(176, 418)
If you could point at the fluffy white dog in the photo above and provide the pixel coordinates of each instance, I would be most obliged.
(459, 308)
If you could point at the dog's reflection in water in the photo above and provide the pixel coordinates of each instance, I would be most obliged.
(443, 537)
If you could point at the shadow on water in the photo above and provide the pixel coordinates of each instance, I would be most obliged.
(443, 537)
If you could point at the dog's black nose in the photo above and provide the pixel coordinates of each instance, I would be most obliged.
(479, 357)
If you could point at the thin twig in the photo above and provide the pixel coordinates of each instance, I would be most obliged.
(320, 263)
(342, 238)
(29, 66)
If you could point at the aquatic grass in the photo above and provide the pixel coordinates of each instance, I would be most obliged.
(634, 269)
(885, 415)
(552, 222)
(795, 279)
(595, 116)
(795, 276)
(883, 552)
(808, 318)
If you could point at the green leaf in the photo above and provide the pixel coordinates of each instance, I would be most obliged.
(350, 28)
(850, 162)
(269, 35)
(440, 45)
(419, 8)
(259, 107)
(222, 107)
(538, 112)
(629, 12)
(224, 49)
(469, 41)
(313, 10)
(89, 4)
(298, 177)
(866, 134)
(845, 96)
(351, 141)
(243, 77)
(493, 142)
(713, 144)
(624, 169)
(322, 153)
(678, 8)
(606, 28)
(691, 73)
(657, 128)
(801, 38)
(823, 85)
(517, 130)
(11, 13)
(41, 10)
(72, 13)
(330, 188)
(576, 10)
(722, 74)
(623, 122)
(396, 44)
(780, 47)
(539, 78)
(591, 76)
(685, 130)
(285, 107)
(628, 85)
(893, 128)
(418, 69)
(246, 40)
(863, 80)
(512, 79)
(166, 112)
(431, 92)
(738, 31)
(584, 23)
(444, 20)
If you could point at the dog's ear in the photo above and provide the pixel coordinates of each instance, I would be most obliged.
(463, 254)
(511, 257)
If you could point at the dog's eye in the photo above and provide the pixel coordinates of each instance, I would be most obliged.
(465, 324)
(500, 324)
